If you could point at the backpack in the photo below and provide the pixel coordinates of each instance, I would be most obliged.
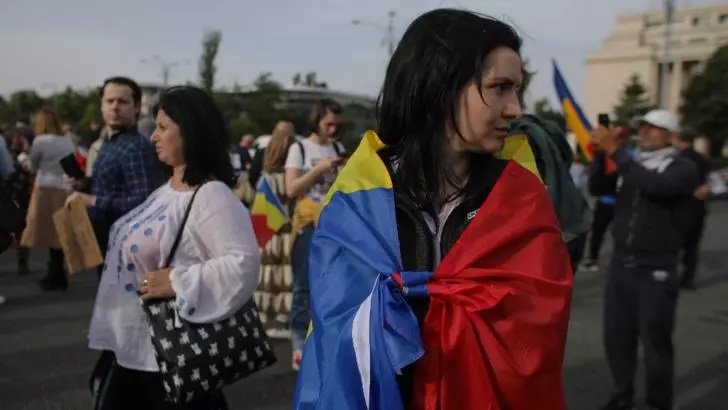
(553, 159)
(338, 148)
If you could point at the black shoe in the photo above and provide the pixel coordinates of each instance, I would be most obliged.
(618, 402)
(688, 286)
(23, 270)
(51, 285)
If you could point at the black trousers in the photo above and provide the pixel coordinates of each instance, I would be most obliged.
(639, 306)
(691, 247)
(603, 215)
(125, 389)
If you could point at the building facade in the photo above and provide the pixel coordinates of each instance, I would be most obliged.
(637, 46)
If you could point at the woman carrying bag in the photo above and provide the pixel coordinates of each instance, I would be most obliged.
(189, 253)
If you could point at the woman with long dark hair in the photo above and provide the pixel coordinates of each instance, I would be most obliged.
(213, 273)
(439, 278)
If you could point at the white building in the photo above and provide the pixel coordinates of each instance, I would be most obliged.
(637, 45)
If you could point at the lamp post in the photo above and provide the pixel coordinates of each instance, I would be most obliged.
(669, 12)
(388, 30)
(164, 65)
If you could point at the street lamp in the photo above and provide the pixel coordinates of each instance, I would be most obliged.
(165, 66)
(669, 12)
(388, 30)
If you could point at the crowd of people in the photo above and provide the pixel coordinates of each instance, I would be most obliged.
(170, 213)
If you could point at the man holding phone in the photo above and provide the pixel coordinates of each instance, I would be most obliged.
(311, 168)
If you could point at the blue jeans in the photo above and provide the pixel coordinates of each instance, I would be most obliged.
(300, 308)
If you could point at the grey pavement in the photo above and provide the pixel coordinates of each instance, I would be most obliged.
(45, 364)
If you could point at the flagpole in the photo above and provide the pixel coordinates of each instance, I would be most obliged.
(669, 11)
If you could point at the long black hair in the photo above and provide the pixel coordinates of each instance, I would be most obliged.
(441, 52)
(204, 134)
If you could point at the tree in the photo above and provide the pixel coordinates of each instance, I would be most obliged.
(633, 103)
(5, 114)
(310, 79)
(210, 47)
(69, 105)
(263, 105)
(705, 101)
(542, 108)
(23, 104)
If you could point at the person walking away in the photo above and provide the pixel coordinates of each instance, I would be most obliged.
(655, 184)
(311, 168)
(273, 296)
(49, 195)
(697, 212)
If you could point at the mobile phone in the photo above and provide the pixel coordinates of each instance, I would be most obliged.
(604, 119)
(71, 168)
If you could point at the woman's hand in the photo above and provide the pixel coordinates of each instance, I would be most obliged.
(157, 285)
(88, 200)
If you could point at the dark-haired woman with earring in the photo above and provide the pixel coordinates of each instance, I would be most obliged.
(214, 271)
(439, 277)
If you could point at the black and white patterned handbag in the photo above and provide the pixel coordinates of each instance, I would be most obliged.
(197, 358)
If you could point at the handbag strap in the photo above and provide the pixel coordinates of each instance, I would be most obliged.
(181, 229)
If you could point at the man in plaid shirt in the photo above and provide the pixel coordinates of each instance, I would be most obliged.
(126, 169)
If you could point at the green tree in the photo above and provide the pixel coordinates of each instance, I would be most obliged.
(210, 47)
(69, 105)
(633, 103)
(23, 104)
(705, 101)
(262, 106)
(542, 108)
(6, 116)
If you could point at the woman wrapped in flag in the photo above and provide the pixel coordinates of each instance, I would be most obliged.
(439, 277)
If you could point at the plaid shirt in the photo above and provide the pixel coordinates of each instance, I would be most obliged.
(126, 171)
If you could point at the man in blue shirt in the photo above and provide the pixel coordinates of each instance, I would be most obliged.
(126, 170)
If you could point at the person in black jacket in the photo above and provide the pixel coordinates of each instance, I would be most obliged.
(602, 185)
(653, 189)
(698, 209)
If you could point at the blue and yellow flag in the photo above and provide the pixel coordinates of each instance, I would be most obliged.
(575, 118)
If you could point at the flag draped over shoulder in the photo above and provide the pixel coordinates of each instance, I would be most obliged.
(494, 334)
(267, 213)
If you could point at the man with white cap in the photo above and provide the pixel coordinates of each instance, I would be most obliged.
(654, 188)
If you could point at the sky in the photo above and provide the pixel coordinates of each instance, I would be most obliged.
(49, 44)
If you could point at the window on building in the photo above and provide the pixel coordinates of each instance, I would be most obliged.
(723, 19)
(700, 21)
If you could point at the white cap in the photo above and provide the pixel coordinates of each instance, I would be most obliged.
(662, 119)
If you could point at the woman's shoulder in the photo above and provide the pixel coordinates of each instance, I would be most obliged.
(214, 196)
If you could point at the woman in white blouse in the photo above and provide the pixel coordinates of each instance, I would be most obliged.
(214, 271)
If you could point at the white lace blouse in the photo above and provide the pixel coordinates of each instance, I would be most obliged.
(214, 271)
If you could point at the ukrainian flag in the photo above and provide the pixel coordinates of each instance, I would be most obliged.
(575, 119)
(494, 335)
(267, 213)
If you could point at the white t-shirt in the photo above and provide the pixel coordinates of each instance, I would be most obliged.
(313, 153)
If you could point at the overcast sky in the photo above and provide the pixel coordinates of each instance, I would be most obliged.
(48, 44)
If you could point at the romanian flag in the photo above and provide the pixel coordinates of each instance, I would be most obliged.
(495, 332)
(267, 213)
(575, 119)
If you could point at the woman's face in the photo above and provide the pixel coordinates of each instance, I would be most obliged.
(483, 116)
(167, 140)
